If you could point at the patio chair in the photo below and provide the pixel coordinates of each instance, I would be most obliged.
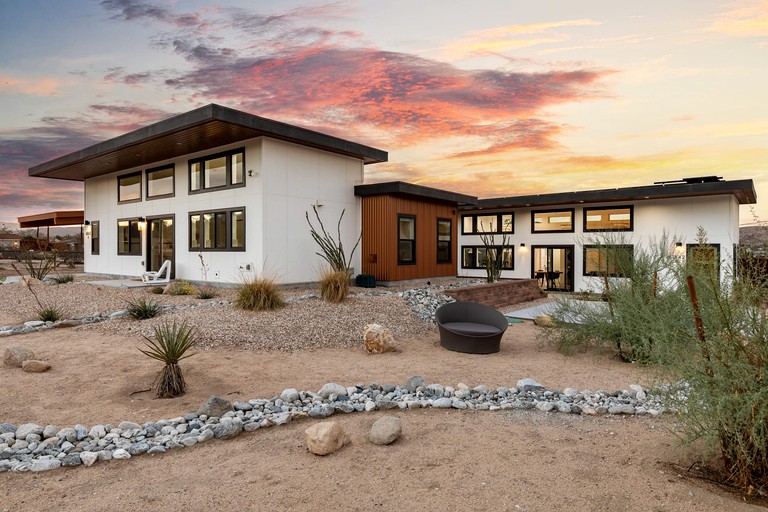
(162, 275)
(470, 327)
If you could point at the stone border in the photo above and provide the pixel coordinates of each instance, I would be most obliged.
(32, 447)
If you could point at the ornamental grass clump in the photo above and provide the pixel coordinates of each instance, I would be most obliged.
(64, 279)
(259, 294)
(49, 313)
(170, 345)
(142, 308)
(334, 285)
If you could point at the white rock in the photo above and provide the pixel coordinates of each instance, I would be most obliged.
(88, 458)
(121, 454)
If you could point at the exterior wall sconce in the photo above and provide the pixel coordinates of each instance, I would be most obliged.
(142, 223)
(523, 249)
(679, 249)
(250, 172)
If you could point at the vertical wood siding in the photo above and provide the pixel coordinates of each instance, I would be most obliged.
(380, 234)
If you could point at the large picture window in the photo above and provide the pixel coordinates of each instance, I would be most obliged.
(160, 182)
(475, 256)
(218, 230)
(129, 188)
(613, 218)
(551, 221)
(444, 234)
(215, 172)
(610, 260)
(406, 240)
(488, 223)
(128, 237)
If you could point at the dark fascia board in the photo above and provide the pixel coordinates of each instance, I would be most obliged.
(249, 125)
(743, 190)
(401, 188)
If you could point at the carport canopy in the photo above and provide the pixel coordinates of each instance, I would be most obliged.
(60, 218)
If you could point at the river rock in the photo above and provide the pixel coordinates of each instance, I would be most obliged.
(28, 428)
(289, 395)
(325, 438)
(15, 356)
(332, 389)
(377, 339)
(228, 428)
(88, 458)
(385, 430)
(413, 383)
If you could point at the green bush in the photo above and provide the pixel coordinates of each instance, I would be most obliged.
(64, 279)
(157, 290)
(142, 308)
(334, 285)
(259, 294)
(181, 288)
(170, 345)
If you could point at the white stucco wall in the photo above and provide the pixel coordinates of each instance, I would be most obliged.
(679, 218)
(286, 180)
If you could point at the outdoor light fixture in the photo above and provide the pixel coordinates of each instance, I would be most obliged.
(142, 223)
(679, 249)
(250, 172)
(87, 223)
(523, 249)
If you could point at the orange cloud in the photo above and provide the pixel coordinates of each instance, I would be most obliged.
(744, 19)
(43, 86)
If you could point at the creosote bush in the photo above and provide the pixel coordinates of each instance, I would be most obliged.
(334, 285)
(170, 345)
(259, 294)
(142, 308)
(181, 288)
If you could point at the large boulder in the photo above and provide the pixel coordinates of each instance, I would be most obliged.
(325, 438)
(385, 430)
(377, 339)
(15, 356)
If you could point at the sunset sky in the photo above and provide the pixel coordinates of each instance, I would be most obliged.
(491, 98)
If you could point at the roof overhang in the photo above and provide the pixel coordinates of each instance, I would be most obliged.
(742, 190)
(61, 218)
(403, 189)
(201, 129)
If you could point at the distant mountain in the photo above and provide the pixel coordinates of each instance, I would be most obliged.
(755, 237)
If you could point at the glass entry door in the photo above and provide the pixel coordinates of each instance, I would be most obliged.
(553, 267)
(160, 243)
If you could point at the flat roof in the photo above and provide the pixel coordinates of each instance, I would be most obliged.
(401, 188)
(742, 190)
(59, 218)
(201, 129)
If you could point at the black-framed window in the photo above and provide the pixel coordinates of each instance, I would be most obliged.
(552, 221)
(704, 257)
(160, 182)
(475, 256)
(444, 238)
(612, 260)
(95, 237)
(217, 230)
(215, 172)
(502, 222)
(406, 240)
(609, 218)
(128, 237)
(129, 188)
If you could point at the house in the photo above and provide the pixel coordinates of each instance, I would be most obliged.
(220, 193)
(223, 194)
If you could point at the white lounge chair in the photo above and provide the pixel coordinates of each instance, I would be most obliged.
(155, 277)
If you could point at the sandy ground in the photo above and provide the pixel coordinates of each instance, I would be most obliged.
(445, 460)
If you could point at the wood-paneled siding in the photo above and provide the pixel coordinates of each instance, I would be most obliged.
(380, 238)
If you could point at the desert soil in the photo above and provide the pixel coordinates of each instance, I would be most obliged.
(446, 460)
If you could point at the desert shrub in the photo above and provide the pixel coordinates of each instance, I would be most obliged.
(64, 279)
(50, 313)
(142, 308)
(259, 294)
(334, 285)
(206, 292)
(38, 269)
(157, 290)
(181, 288)
(169, 346)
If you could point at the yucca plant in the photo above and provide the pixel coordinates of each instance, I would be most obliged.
(259, 294)
(142, 308)
(169, 346)
(49, 313)
(334, 285)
